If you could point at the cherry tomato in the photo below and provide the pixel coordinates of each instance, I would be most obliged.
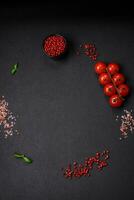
(87, 46)
(113, 68)
(100, 67)
(118, 79)
(109, 89)
(104, 79)
(124, 90)
(115, 101)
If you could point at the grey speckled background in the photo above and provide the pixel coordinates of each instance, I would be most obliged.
(63, 114)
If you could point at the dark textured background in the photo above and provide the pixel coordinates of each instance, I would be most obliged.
(63, 114)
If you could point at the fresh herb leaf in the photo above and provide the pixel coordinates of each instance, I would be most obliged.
(18, 155)
(14, 69)
(27, 160)
(23, 157)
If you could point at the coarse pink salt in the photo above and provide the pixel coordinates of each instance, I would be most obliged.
(127, 123)
(7, 119)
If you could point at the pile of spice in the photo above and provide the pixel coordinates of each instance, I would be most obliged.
(78, 170)
(89, 50)
(7, 119)
(127, 123)
(54, 45)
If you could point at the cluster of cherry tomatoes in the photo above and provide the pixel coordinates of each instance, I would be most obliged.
(113, 82)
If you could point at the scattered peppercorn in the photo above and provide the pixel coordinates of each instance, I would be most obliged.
(78, 170)
(89, 50)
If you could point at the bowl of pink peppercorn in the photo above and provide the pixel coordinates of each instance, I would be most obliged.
(54, 46)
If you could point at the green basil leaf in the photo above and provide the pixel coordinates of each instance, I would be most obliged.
(14, 68)
(23, 157)
(27, 160)
(18, 155)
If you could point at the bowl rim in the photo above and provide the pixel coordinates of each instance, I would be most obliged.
(54, 34)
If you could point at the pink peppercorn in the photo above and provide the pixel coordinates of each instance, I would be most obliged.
(54, 45)
(78, 170)
(89, 50)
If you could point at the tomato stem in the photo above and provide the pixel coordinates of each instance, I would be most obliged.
(114, 85)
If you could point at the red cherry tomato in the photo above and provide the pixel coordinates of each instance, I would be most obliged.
(115, 101)
(124, 90)
(87, 46)
(100, 67)
(118, 79)
(113, 68)
(104, 79)
(109, 89)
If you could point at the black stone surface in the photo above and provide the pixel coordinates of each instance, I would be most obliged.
(63, 113)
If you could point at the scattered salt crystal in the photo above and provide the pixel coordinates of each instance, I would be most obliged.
(127, 123)
(7, 120)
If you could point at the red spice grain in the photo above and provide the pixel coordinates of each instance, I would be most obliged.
(54, 45)
(78, 170)
(89, 50)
